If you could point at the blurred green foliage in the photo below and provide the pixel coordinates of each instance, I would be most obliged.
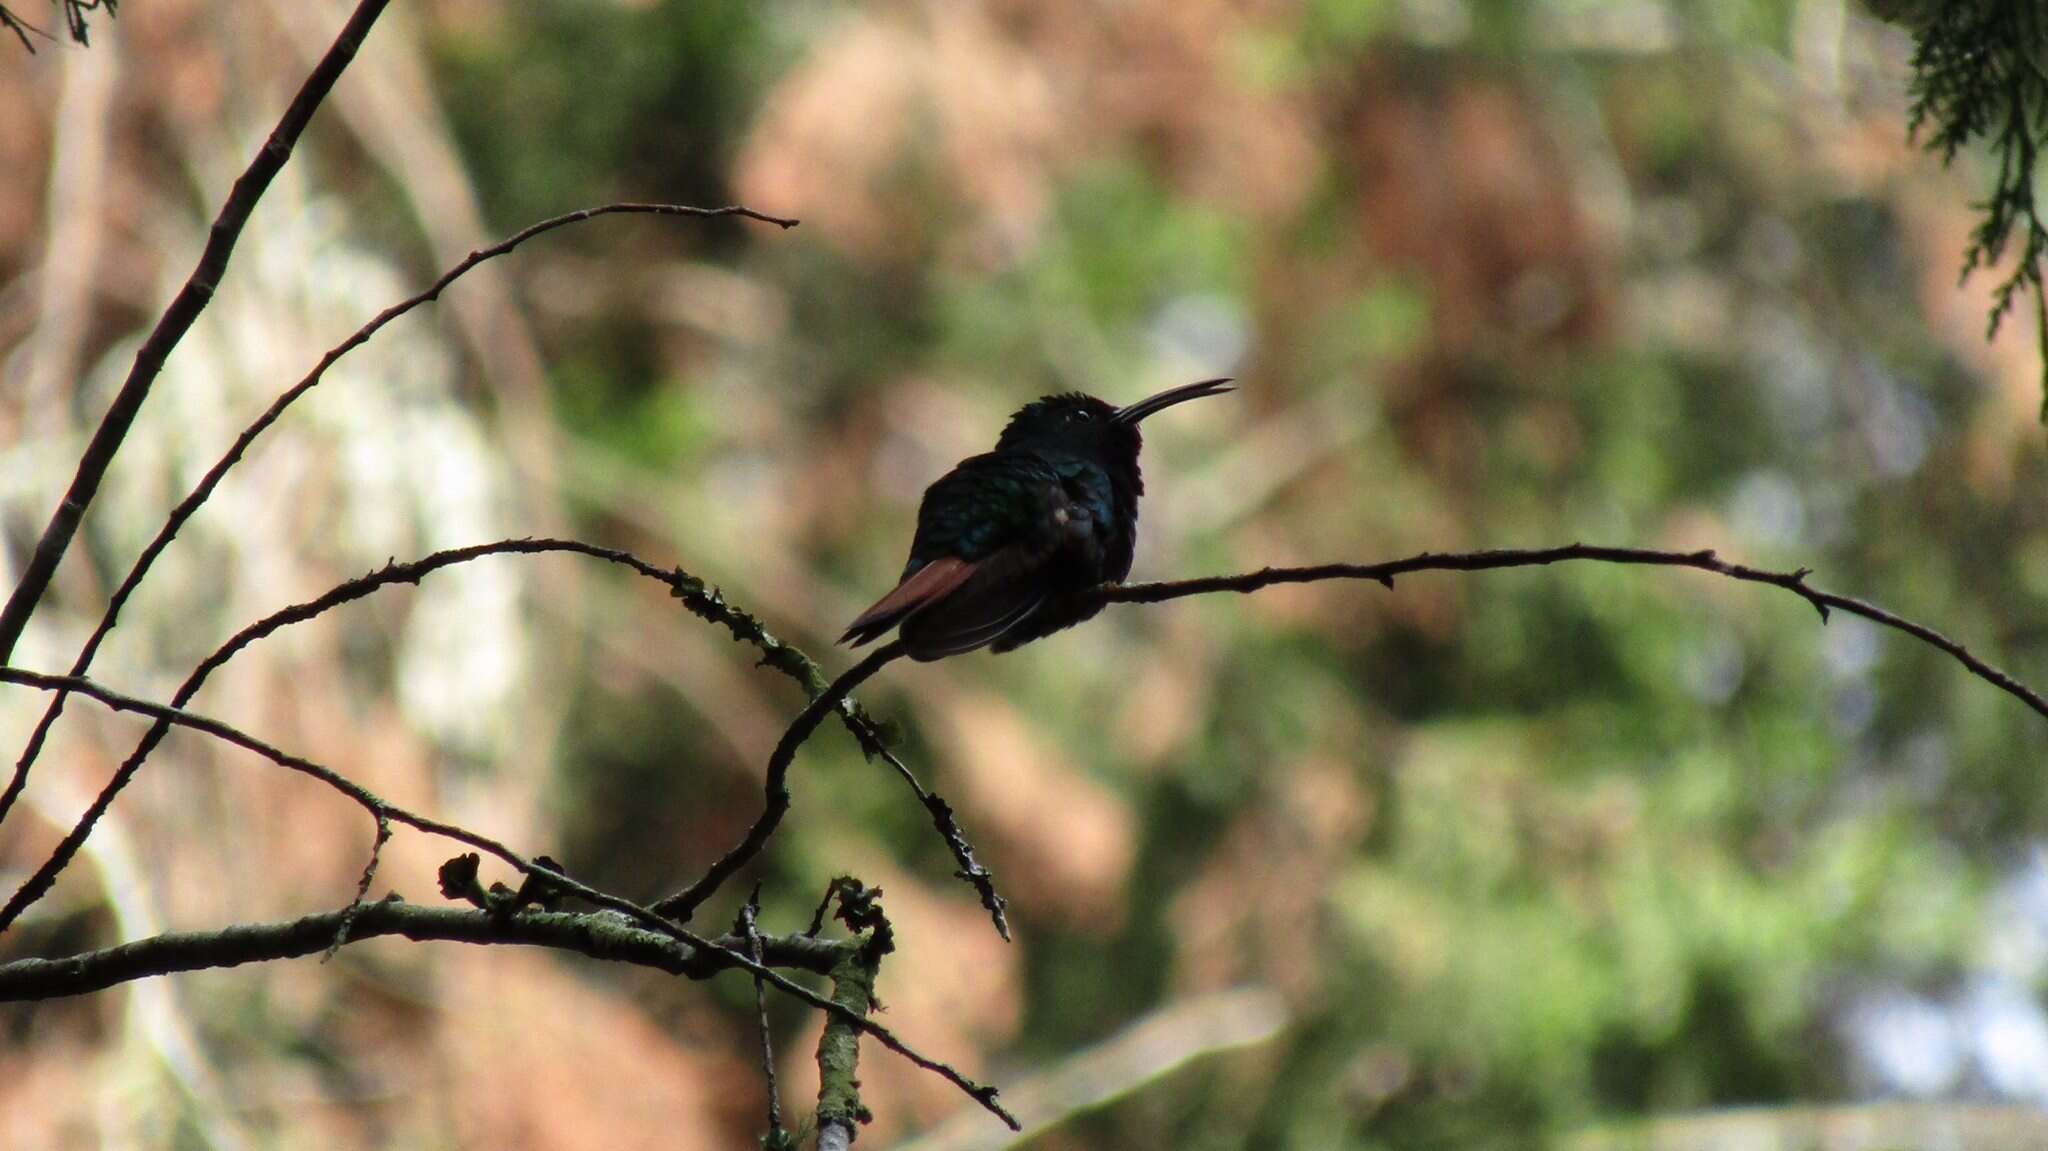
(542, 127)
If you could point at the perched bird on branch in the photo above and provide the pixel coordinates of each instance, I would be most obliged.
(1007, 541)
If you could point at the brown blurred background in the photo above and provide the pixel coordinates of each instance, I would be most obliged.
(1575, 857)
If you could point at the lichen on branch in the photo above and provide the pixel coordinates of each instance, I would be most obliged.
(840, 1110)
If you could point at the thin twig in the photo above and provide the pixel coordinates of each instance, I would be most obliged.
(709, 604)
(177, 319)
(204, 489)
(21, 29)
(980, 878)
(355, 906)
(748, 929)
(1707, 561)
(824, 906)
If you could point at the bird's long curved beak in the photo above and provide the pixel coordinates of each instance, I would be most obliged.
(1160, 401)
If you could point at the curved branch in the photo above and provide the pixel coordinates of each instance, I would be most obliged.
(1706, 561)
(201, 492)
(708, 604)
(684, 903)
(599, 936)
(178, 319)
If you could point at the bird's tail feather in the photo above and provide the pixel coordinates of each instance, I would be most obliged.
(951, 605)
(925, 586)
(1003, 591)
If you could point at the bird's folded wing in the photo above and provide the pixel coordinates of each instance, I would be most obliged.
(1003, 590)
(990, 528)
(919, 589)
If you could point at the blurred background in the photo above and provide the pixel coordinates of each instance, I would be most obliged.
(1579, 857)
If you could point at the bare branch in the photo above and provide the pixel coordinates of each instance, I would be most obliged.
(709, 604)
(348, 915)
(840, 1109)
(682, 904)
(598, 935)
(748, 929)
(1707, 561)
(173, 716)
(176, 717)
(201, 492)
(178, 319)
(980, 878)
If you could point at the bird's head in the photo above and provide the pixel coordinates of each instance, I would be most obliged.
(1086, 426)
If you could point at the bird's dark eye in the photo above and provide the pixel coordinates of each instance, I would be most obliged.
(1082, 415)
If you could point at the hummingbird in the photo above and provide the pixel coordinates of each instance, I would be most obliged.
(1008, 540)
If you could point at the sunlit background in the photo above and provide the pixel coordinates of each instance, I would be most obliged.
(1580, 857)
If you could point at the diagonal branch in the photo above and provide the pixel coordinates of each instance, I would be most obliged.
(683, 903)
(178, 319)
(970, 868)
(597, 935)
(1706, 561)
(709, 604)
(201, 492)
